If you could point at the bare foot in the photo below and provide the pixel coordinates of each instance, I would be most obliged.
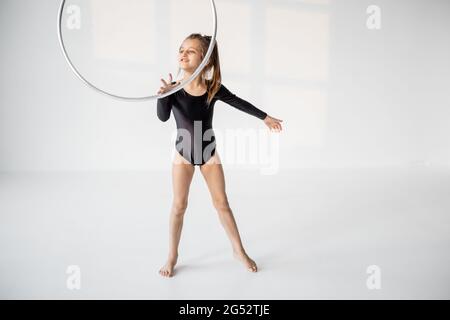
(245, 259)
(167, 269)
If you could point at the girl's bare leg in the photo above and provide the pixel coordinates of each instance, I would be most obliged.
(182, 173)
(212, 171)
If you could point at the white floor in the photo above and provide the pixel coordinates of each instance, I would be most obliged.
(313, 233)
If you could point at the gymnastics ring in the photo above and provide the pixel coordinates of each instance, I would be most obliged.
(179, 87)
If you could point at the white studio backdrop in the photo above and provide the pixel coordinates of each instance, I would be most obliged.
(349, 95)
(357, 83)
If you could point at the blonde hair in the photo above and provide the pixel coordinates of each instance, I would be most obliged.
(211, 72)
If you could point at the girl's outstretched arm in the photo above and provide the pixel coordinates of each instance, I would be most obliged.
(226, 96)
(230, 98)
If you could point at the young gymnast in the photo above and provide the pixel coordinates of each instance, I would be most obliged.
(193, 109)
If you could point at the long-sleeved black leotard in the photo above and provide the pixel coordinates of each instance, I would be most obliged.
(195, 136)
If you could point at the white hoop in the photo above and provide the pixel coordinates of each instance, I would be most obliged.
(175, 89)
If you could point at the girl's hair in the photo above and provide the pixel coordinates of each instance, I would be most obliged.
(212, 68)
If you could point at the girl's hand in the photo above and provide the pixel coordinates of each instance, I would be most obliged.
(274, 124)
(167, 86)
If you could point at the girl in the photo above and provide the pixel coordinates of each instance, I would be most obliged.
(193, 108)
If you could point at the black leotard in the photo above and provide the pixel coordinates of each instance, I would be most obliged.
(194, 118)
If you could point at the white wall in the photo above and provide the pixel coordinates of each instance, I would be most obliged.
(349, 96)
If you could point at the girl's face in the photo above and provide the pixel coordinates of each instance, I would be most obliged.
(190, 55)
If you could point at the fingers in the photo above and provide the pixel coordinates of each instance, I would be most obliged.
(275, 127)
(277, 124)
(168, 85)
